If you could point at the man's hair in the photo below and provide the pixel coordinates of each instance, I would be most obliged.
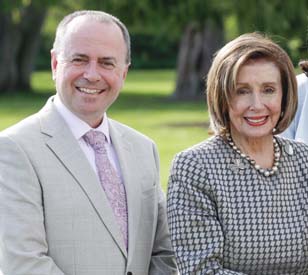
(304, 66)
(222, 76)
(100, 16)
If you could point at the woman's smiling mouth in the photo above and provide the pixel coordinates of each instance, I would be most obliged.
(256, 121)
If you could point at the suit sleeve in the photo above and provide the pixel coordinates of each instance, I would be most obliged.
(196, 233)
(290, 131)
(163, 259)
(23, 245)
(297, 128)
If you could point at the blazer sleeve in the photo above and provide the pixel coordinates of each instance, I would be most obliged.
(162, 259)
(23, 245)
(196, 233)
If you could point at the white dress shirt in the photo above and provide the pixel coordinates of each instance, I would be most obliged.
(79, 128)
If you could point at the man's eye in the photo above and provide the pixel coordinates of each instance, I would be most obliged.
(108, 65)
(78, 61)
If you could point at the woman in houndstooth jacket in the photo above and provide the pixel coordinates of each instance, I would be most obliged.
(238, 202)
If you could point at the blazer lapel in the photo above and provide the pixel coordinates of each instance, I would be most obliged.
(61, 141)
(131, 177)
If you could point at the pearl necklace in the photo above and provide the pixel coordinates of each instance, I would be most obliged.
(265, 172)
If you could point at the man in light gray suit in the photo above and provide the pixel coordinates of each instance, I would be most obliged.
(66, 207)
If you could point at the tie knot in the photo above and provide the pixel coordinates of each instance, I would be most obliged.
(96, 139)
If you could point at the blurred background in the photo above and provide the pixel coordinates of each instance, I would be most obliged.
(173, 42)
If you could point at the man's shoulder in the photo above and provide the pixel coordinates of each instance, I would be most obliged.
(128, 131)
(21, 128)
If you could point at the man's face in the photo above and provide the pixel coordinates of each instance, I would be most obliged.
(90, 69)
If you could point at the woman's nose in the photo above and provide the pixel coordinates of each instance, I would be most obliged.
(256, 101)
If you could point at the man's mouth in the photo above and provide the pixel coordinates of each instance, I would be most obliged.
(89, 91)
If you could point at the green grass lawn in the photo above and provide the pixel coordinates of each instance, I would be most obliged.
(144, 104)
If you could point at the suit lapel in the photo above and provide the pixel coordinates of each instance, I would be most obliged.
(61, 141)
(131, 173)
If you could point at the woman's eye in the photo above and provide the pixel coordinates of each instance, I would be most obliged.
(242, 91)
(269, 90)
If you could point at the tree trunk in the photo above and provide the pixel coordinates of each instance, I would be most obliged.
(33, 19)
(187, 74)
(18, 46)
(7, 52)
(194, 60)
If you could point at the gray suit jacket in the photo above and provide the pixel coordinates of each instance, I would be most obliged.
(54, 216)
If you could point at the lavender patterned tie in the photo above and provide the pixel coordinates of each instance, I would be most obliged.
(110, 181)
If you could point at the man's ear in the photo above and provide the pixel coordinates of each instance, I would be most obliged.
(125, 71)
(54, 63)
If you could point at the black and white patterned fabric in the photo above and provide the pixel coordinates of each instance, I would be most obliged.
(227, 218)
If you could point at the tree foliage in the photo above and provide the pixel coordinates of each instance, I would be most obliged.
(200, 27)
(285, 21)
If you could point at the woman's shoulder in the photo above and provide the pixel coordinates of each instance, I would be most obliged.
(203, 150)
(192, 163)
(206, 146)
(291, 146)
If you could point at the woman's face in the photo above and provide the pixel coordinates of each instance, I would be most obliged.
(256, 101)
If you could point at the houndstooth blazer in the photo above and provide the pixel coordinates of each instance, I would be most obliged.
(227, 218)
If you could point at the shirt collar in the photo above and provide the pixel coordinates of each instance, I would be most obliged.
(77, 126)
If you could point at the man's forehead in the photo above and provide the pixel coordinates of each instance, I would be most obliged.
(91, 29)
(86, 21)
(90, 36)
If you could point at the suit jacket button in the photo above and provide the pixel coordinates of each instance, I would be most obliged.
(129, 273)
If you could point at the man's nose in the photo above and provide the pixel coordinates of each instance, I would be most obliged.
(91, 72)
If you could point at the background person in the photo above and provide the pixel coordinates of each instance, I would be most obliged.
(80, 192)
(298, 129)
(237, 203)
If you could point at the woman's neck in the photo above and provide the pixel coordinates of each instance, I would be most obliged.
(261, 150)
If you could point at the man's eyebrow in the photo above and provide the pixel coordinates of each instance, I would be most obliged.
(100, 59)
(80, 55)
(107, 59)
